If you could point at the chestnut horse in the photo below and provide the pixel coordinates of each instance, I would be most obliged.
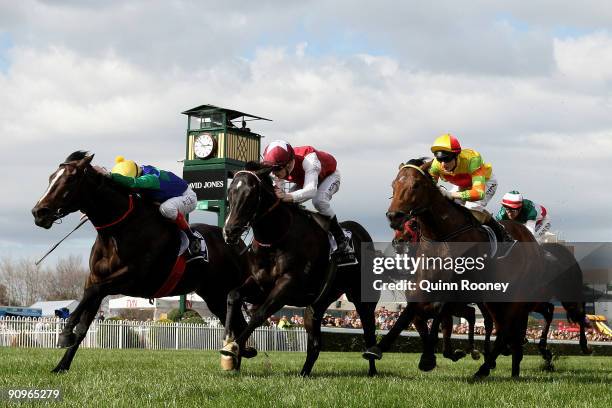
(439, 219)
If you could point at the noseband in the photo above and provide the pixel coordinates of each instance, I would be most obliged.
(255, 217)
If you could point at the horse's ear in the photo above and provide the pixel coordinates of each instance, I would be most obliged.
(401, 165)
(87, 159)
(264, 171)
(230, 174)
(426, 166)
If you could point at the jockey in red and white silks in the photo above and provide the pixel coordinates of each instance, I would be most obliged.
(314, 176)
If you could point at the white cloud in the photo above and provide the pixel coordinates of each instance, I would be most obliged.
(79, 79)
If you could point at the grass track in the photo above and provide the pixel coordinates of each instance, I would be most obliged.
(136, 378)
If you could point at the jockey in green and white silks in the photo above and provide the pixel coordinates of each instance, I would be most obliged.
(517, 208)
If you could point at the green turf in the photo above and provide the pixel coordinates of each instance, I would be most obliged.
(136, 378)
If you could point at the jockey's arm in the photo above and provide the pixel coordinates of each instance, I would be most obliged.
(148, 181)
(477, 192)
(312, 168)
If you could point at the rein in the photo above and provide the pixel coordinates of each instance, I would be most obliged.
(420, 210)
(121, 218)
(256, 218)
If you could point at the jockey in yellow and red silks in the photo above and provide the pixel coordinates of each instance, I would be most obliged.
(472, 178)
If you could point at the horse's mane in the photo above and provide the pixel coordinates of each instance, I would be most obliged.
(76, 156)
(425, 164)
(263, 171)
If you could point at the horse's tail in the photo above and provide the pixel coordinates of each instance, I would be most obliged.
(568, 275)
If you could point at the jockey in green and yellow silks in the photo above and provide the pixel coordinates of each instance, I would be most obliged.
(472, 178)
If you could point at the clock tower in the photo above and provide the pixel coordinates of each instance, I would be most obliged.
(218, 142)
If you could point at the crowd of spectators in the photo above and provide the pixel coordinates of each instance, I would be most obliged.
(385, 319)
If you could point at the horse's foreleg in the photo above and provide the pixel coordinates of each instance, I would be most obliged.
(428, 357)
(469, 314)
(447, 349)
(85, 318)
(277, 297)
(368, 323)
(312, 325)
(234, 320)
(375, 352)
(67, 337)
(488, 324)
(547, 311)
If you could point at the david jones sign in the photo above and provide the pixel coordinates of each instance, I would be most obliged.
(208, 185)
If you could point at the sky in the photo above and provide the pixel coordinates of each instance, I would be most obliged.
(526, 84)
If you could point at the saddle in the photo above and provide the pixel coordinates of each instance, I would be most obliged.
(324, 223)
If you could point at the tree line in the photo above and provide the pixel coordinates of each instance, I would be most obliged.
(23, 283)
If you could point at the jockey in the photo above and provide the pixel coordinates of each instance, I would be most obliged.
(315, 177)
(176, 197)
(519, 209)
(472, 178)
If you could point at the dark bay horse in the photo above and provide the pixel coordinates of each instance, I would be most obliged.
(135, 249)
(414, 194)
(289, 264)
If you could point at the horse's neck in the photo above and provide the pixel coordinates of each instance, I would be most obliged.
(104, 204)
(274, 224)
(441, 219)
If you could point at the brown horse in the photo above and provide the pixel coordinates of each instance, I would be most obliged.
(135, 250)
(414, 194)
(289, 264)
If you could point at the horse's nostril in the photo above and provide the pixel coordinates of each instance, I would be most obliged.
(41, 212)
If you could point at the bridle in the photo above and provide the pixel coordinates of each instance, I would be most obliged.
(257, 216)
(413, 212)
(420, 210)
(62, 212)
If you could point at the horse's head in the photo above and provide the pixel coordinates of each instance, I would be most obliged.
(62, 195)
(244, 195)
(412, 190)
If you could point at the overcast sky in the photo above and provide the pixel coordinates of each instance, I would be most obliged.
(528, 86)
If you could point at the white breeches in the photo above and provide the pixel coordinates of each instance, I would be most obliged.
(184, 204)
(326, 189)
(490, 189)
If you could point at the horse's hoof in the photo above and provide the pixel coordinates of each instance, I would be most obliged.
(230, 349)
(249, 352)
(427, 362)
(229, 363)
(482, 372)
(373, 353)
(59, 370)
(66, 340)
(458, 355)
(492, 365)
(548, 366)
(475, 354)
(587, 351)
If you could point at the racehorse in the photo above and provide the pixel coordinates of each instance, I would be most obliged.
(415, 195)
(289, 264)
(135, 249)
(567, 273)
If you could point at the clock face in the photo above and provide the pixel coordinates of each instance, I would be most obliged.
(204, 145)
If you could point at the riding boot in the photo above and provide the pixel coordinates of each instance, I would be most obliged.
(499, 230)
(195, 245)
(345, 250)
